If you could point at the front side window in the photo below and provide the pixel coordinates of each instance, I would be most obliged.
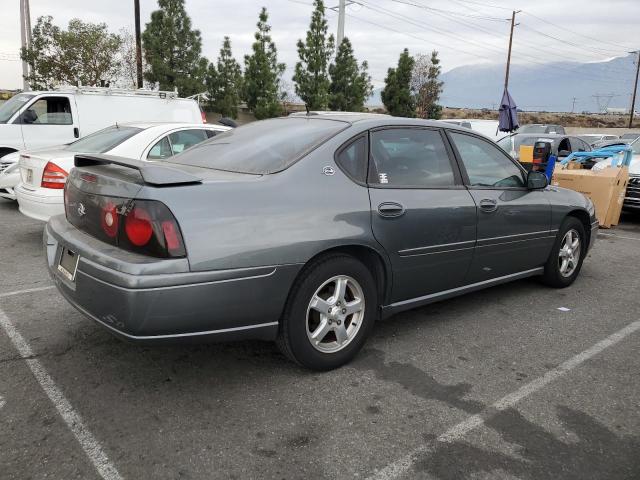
(48, 111)
(410, 157)
(353, 159)
(184, 139)
(486, 164)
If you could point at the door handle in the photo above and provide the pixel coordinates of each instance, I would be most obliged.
(390, 209)
(76, 132)
(488, 205)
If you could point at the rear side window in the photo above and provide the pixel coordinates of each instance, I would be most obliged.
(263, 147)
(184, 139)
(160, 150)
(486, 164)
(353, 159)
(410, 157)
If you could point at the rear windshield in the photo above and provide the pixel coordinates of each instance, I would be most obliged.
(263, 147)
(104, 140)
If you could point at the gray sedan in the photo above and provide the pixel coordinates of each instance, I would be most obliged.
(306, 230)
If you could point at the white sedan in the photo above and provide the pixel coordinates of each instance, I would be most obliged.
(44, 172)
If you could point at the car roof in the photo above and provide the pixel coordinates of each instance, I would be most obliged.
(373, 120)
(166, 126)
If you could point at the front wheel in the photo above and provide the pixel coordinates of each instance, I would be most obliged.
(567, 254)
(329, 314)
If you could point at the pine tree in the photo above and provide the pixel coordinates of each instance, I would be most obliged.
(311, 75)
(350, 84)
(396, 95)
(224, 82)
(173, 50)
(262, 73)
(434, 87)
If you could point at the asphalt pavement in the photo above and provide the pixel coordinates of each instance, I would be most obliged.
(515, 382)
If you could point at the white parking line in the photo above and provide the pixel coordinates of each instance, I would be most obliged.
(88, 442)
(404, 464)
(618, 236)
(26, 290)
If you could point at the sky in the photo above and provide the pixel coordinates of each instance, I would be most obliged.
(463, 31)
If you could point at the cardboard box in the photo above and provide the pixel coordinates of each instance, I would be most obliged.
(574, 166)
(526, 154)
(606, 188)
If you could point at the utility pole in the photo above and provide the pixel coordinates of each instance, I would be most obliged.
(136, 8)
(635, 89)
(342, 5)
(573, 107)
(513, 24)
(25, 36)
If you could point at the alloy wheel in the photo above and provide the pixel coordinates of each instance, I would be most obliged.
(569, 254)
(335, 314)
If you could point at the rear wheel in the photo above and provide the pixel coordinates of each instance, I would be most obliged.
(565, 260)
(329, 314)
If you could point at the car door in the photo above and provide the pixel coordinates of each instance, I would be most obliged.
(514, 223)
(49, 120)
(421, 213)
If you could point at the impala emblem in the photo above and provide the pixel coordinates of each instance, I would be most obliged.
(81, 210)
(328, 170)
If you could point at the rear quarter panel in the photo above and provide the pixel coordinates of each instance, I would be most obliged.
(283, 218)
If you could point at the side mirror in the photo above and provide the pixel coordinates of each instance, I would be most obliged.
(536, 180)
(29, 116)
(564, 153)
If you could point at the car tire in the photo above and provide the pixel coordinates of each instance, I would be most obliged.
(322, 328)
(565, 260)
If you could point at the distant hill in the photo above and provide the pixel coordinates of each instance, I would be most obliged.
(538, 88)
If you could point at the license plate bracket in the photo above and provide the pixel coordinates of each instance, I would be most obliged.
(68, 264)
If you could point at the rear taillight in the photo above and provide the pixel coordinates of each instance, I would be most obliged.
(142, 226)
(53, 176)
(203, 115)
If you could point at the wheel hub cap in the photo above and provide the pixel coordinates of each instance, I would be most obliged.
(569, 254)
(335, 313)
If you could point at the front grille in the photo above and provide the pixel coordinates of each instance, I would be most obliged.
(632, 198)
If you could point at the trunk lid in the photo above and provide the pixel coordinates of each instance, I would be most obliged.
(32, 165)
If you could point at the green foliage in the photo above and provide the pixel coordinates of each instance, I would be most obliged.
(84, 54)
(396, 95)
(262, 73)
(350, 84)
(426, 85)
(224, 82)
(173, 50)
(311, 74)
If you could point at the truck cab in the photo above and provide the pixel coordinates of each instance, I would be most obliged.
(37, 119)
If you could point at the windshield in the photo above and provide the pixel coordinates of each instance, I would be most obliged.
(628, 136)
(11, 106)
(635, 146)
(263, 147)
(512, 144)
(104, 140)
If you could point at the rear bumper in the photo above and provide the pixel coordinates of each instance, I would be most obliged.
(218, 305)
(39, 206)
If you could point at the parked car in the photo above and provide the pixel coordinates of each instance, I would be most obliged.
(594, 139)
(44, 172)
(561, 145)
(9, 175)
(43, 119)
(305, 231)
(630, 136)
(542, 128)
(632, 195)
(485, 127)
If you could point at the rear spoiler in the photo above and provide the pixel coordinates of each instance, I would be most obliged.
(152, 173)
